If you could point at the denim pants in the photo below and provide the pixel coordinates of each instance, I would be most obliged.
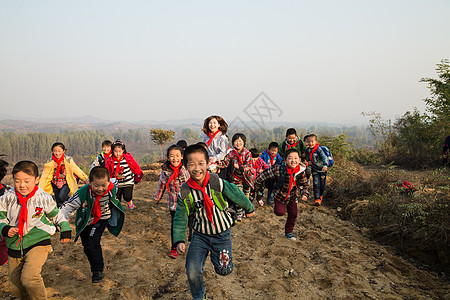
(201, 244)
(62, 194)
(319, 182)
(90, 239)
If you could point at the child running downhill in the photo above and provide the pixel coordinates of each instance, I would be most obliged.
(319, 162)
(173, 175)
(25, 214)
(240, 168)
(203, 199)
(271, 157)
(58, 177)
(122, 166)
(215, 129)
(293, 141)
(97, 208)
(290, 179)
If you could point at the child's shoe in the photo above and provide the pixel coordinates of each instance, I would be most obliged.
(261, 202)
(130, 204)
(97, 276)
(318, 202)
(239, 213)
(173, 253)
(290, 236)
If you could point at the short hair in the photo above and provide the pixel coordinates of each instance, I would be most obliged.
(273, 145)
(312, 135)
(196, 148)
(119, 143)
(3, 165)
(223, 126)
(182, 143)
(174, 147)
(238, 135)
(254, 152)
(26, 166)
(305, 137)
(203, 144)
(106, 143)
(292, 150)
(291, 131)
(59, 144)
(98, 172)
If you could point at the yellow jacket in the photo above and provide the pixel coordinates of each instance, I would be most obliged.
(72, 169)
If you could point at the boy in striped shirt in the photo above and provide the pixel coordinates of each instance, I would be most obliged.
(203, 200)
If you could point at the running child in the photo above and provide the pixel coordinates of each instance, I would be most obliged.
(240, 168)
(122, 166)
(271, 157)
(203, 199)
(293, 141)
(59, 173)
(96, 208)
(27, 215)
(173, 175)
(319, 164)
(102, 157)
(260, 166)
(215, 129)
(290, 180)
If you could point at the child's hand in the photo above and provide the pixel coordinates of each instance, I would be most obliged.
(12, 231)
(250, 215)
(64, 241)
(212, 160)
(260, 171)
(304, 198)
(324, 169)
(236, 166)
(180, 248)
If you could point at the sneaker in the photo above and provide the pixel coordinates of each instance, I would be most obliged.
(260, 202)
(97, 276)
(173, 253)
(130, 205)
(290, 236)
(317, 202)
(240, 214)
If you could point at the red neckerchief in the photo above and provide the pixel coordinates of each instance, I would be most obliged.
(313, 150)
(23, 214)
(211, 137)
(106, 156)
(176, 172)
(96, 210)
(208, 202)
(58, 163)
(1, 186)
(291, 173)
(293, 145)
(116, 171)
(241, 163)
(272, 159)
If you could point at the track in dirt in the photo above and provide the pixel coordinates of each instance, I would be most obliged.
(331, 259)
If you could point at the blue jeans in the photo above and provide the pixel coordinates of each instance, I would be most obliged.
(319, 182)
(201, 244)
(62, 194)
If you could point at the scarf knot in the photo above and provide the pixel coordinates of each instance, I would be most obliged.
(96, 209)
(292, 183)
(211, 137)
(23, 214)
(206, 199)
(174, 176)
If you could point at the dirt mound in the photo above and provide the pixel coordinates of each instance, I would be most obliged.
(331, 259)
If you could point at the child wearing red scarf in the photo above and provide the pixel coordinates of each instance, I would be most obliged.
(204, 201)
(319, 165)
(173, 175)
(25, 214)
(97, 208)
(292, 141)
(100, 160)
(215, 129)
(122, 166)
(271, 157)
(60, 175)
(290, 180)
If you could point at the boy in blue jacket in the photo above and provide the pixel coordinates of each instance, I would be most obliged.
(319, 163)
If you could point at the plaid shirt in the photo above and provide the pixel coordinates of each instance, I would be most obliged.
(245, 173)
(274, 172)
(260, 164)
(174, 185)
(60, 179)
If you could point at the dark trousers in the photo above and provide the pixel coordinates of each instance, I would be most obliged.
(319, 182)
(90, 238)
(62, 194)
(172, 215)
(125, 192)
(270, 185)
(280, 208)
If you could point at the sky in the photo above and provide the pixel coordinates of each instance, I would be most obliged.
(295, 61)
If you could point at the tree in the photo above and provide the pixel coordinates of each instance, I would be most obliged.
(382, 132)
(161, 137)
(190, 135)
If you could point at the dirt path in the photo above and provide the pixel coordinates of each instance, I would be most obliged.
(331, 259)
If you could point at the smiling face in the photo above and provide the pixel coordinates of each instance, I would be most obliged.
(99, 185)
(118, 152)
(197, 166)
(213, 125)
(106, 149)
(311, 142)
(24, 183)
(273, 151)
(58, 152)
(291, 139)
(292, 160)
(175, 157)
(238, 144)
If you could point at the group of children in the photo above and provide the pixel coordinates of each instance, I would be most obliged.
(209, 185)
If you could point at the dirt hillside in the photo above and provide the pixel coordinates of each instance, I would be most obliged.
(331, 259)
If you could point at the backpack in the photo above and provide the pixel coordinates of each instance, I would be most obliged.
(328, 155)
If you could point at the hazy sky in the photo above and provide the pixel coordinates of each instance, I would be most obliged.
(159, 60)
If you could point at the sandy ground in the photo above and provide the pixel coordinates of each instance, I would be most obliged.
(331, 259)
